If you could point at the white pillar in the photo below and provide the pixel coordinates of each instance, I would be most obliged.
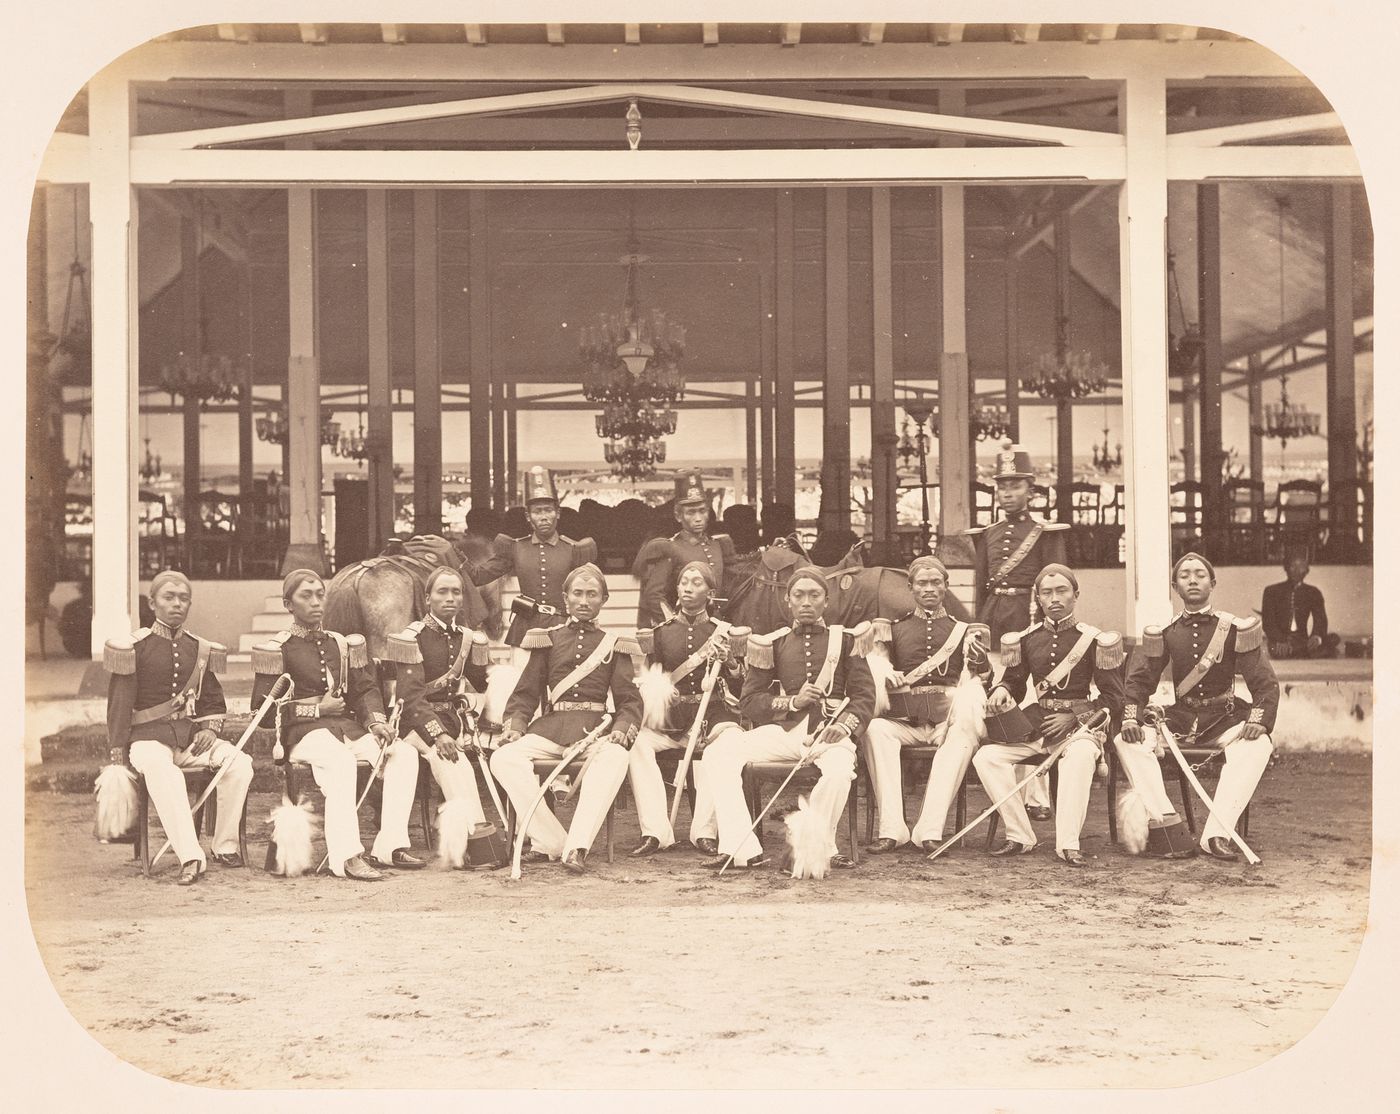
(115, 397)
(1142, 220)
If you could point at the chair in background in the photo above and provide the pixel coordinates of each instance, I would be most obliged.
(1246, 534)
(212, 536)
(156, 533)
(1083, 545)
(984, 507)
(1297, 524)
(1186, 498)
(1353, 544)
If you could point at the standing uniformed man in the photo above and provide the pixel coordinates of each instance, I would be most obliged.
(1009, 554)
(1060, 655)
(660, 560)
(164, 712)
(684, 646)
(1206, 648)
(573, 671)
(438, 662)
(539, 561)
(927, 649)
(334, 719)
(792, 675)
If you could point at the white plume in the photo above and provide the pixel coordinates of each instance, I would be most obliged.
(292, 830)
(968, 710)
(809, 842)
(658, 690)
(882, 669)
(115, 789)
(1133, 817)
(501, 680)
(454, 825)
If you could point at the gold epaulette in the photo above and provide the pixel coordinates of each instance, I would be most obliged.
(481, 648)
(760, 653)
(538, 638)
(1011, 647)
(1249, 634)
(882, 630)
(403, 647)
(1055, 525)
(1153, 644)
(218, 657)
(358, 649)
(1108, 650)
(267, 657)
(628, 644)
(646, 639)
(119, 654)
(864, 635)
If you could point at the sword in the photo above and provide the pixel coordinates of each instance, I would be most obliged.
(378, 768)
(1160, 722)
(707, 687)
(279, 686)
(570, 754)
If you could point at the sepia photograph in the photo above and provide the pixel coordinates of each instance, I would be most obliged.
(753, 556)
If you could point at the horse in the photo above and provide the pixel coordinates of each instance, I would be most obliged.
(855, 593)
(381, 595)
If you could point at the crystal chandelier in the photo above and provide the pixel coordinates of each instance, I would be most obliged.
(1285, 421)
(632, 366)
(1065, 374)
(200, 375)
(151, 469)
(990, 423)
(272, 428)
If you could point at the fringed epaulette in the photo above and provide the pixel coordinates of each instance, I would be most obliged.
(481, 648)
(646, 639)
(267, 657)
(972, 531)
(882, 630)
(864, 638)
(1153, 644)
(1011, 648)
(1249, 634)
(539, 638)
(1055, 525)
(628, 644)
(119, 654)
(760, 654)
(218, 657)
(1108, 650)
(358, 649)
(403, 647)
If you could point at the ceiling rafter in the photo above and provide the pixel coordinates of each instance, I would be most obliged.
(1256, 129)
(632, 34)
(238, 32)
(791, 34)
(554, 34)
(710, 34)
(314, 33)
(871, 34)
(476, 33)
(1023, 32)
(945, 34)
(1096, 32)
(1174, 32)
(395, 34)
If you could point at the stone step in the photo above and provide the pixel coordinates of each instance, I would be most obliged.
(274, 604)
(271, 622)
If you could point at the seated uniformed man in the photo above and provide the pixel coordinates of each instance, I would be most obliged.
(164, 711)
(1060, 655)
(792, 674)
(1295, 616)
(1206, 648)
(334, 718)
(927, 649)
(438, 662)
(573, 670)
(660, 560)
(684, 646)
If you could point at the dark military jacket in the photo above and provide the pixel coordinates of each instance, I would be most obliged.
(540, 567)
(780, 663)
(1003, 597)
(554, 654)
(1034, 653)
(341, 696)
(673, 643)
(1210, 706)
(659, 563)
(915, 637)
(155, 669)
(433, 671)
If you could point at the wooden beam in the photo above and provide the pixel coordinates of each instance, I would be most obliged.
(476, 33)
(1011, 281)
(785, 309)
(380, 433)
(1174, 32)
(870, 34)
(1255, 396)
(791, 34)
(317, 33)
(1023, 32)
(945, 34)
(883, 438)
(1043, 231)
(709, 33)
(955, 456)
(1195, 164)
(1341, 370)
(1210, 310)
(427, 370)
(835, 515)
(1096, 32)
(554, 34)
(1257, 129)
(395, 34)
(479, 346)
(238, 32)
(632, 34)
(1064, 413)
(751, 451)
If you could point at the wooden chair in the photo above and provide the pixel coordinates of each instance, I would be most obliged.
(1042, 499)
(293, 772)
(1244, 521)
(1196, 756)
(1114, 512)
(543, 767)
(212, 536)
(196, 781)
(758, 774)
(1030, 760)
(1297, 519)
(155, 533)
(1186, 501)
(918, 754)
(1353, 543)
(984, 507)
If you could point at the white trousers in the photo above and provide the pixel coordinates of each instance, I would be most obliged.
(1245, 763)
(514, 767)
(457, 779)
(1036, 794)
(884, 739)
(649, 790)
(724, 763)
(161, 766)
(333, 766)
(995, 765)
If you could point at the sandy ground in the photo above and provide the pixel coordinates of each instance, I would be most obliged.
(902, 973)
